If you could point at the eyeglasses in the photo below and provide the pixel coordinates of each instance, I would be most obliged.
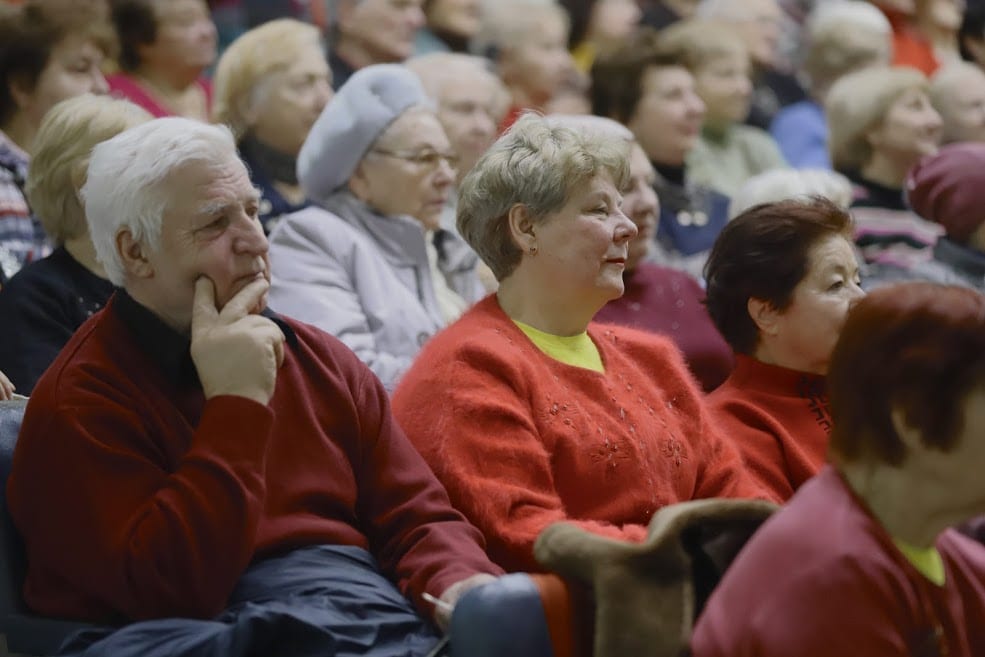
(426, 158)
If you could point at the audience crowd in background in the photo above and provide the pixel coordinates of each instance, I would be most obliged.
(600, 253)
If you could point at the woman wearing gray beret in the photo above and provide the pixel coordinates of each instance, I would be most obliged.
(368, 262)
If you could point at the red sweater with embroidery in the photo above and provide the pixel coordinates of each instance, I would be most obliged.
(521, 440)
(822, 578)
(137, 498)
(778, 419)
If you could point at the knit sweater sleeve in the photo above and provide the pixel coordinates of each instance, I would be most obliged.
(469, 414)
(145, 538)
(756, 437)
(417, 535)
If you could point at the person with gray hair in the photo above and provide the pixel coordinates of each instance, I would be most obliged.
(368, 262)
(529, 412)
(48, 300)
(841, 37)
(957, 92)
(229, 471)
(367, 32)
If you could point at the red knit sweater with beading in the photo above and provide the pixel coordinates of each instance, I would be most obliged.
(137, 498)
(521, 440)
(778, 419)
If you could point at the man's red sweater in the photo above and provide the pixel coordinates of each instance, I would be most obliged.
(521, 440)
(137, 498)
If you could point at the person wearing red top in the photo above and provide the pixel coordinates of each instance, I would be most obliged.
(200, 438)
(165, 48)
(781, 278)
(863, 560)
(527, 411)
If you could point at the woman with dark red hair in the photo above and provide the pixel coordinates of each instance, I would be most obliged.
(862, 561)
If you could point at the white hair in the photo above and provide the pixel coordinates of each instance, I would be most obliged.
(722, 10)
(125, 187)
(591, 123)
(783, 184)
(837, 14)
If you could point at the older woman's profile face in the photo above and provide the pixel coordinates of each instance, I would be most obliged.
(583, 247)
(805, 333)
(725, 86)
(641, 205)
(72, 70)
(409, 170)
(910, 130)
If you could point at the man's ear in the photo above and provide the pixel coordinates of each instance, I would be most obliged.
(133, 255)
(764, 315)
(521, 227)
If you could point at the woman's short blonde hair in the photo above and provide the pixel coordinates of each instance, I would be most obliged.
(537, 163)
(62, 148)
(697, 42)
(843, 36)
(511, 24)
(857, 104)
(250, 61)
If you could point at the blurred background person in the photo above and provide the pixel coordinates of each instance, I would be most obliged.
(271, 85)
(599, 26)
(757, 23)
(781, 279)
(530, 413)
(957, 92)
(361, 262)
(50, 50)
(971, 35)
(655, 298)
(910, 47)
(949, 189)
(839, 37)
(649, 90)
(470, 102)
(864, 560)
(658, 14)
(48, 300)
(165, 49)
(786, 184)
(728, 152)
(527, 39)
(880, 123)
(450, 26)
(366, 32)
(939, 21)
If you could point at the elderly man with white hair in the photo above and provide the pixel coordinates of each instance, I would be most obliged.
(217, 462)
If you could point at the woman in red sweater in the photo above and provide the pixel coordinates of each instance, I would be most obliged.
(781, 278)
(529, 413)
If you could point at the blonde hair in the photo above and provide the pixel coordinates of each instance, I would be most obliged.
(509, 24)
(696, 42)
(62, 148)
(537, 163)
(791, 184)
(843, 36)
(857, 104)
(249, 62)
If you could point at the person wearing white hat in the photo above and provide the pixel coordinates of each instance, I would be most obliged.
(364, 264)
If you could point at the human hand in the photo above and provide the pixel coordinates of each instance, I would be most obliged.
(445, 605)
(235, 352)
(6, 388)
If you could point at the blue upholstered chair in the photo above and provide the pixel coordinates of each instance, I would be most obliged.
(25, 633)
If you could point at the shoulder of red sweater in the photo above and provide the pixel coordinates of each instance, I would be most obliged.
(642, 343)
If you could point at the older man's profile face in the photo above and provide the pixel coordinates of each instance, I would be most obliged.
(210, 228)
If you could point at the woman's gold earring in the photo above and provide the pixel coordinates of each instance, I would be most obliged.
(533, 250)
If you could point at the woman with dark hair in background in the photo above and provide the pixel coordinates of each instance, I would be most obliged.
(165, 48)
(781, 278)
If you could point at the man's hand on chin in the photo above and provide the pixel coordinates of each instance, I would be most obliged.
(235, 351)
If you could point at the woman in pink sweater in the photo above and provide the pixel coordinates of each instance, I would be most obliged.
(781, 278)
(530, 414)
